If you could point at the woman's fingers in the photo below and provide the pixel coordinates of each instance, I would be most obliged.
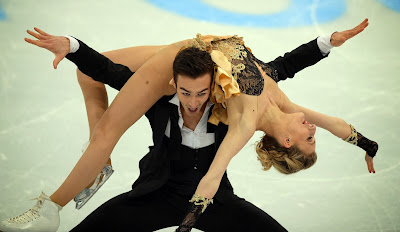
(370, 163)
(372, 166)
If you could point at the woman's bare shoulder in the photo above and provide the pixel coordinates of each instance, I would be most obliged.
(242, 109)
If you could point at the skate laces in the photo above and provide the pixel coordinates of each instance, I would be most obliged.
(31, 214)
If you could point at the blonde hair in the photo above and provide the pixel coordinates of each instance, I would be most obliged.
(285, 160)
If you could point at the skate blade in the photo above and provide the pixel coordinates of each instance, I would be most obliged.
(80, 203)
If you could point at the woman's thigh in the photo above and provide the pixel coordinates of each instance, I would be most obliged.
(146, 213)
(133, 57)
(149, 83)
(238, 215)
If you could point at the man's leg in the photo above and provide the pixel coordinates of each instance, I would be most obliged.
(237, 215)
(145, 213)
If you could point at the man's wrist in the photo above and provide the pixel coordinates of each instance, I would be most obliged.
(324, 44)
(73, 44)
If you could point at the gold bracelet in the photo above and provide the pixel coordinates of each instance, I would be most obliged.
(352, 137)
(200, 200)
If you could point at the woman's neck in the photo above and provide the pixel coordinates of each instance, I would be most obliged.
(272, 121)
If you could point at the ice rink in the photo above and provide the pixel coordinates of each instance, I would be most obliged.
(43, 122)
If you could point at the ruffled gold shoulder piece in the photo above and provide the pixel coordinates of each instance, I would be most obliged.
(222, 49)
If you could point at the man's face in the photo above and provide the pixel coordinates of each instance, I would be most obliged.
(193, 93)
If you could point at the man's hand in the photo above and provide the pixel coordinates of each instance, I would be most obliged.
(58, 45)
(338, 38)
(370, 163)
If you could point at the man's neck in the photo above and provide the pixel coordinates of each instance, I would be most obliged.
(192, 121)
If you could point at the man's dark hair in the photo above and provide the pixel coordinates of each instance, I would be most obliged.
(192, 62)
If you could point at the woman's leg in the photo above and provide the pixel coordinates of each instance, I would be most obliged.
(143, 89)
(94, 92)
(133, 57)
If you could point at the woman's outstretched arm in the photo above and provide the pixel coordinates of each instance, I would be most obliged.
(339, 128)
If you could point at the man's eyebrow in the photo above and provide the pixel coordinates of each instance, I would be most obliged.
(190, 92)
(184, 89)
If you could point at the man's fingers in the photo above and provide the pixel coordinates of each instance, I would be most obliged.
(361, 26)
(35, 42)
(36, 35)
(57, 61)
(40, 31)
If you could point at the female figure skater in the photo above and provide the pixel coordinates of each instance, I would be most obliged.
(253, 102)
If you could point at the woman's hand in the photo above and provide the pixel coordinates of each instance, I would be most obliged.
(338, 38)
(58, 45)
(370, 163)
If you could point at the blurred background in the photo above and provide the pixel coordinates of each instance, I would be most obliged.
(43, 122)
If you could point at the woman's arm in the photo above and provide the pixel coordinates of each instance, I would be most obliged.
(339, 128)
(239, 133)
(242, 115)
(335, 125)
(242, 125)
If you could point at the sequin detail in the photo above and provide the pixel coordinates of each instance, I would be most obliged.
(202, 201)
(352, 137)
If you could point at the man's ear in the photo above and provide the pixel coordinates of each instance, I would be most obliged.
(173, 83)
(287, 143)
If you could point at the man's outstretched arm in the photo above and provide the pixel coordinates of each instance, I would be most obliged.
(312, 52)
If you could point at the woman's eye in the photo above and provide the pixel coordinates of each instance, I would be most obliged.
(201, 94)
(309, 138)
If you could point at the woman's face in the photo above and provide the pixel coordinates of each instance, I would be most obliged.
(301, 133)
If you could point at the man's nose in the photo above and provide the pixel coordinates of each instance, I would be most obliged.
(193, 102)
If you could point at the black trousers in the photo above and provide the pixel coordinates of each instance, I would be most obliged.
(163, 208)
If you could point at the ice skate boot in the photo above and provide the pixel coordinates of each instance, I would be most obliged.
(43, 217)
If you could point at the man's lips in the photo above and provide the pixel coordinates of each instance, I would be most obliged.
(192, 110)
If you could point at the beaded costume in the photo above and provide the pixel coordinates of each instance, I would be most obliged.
(236, 71)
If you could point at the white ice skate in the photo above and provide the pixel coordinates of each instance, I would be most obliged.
(87, 193)
(43, 217)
